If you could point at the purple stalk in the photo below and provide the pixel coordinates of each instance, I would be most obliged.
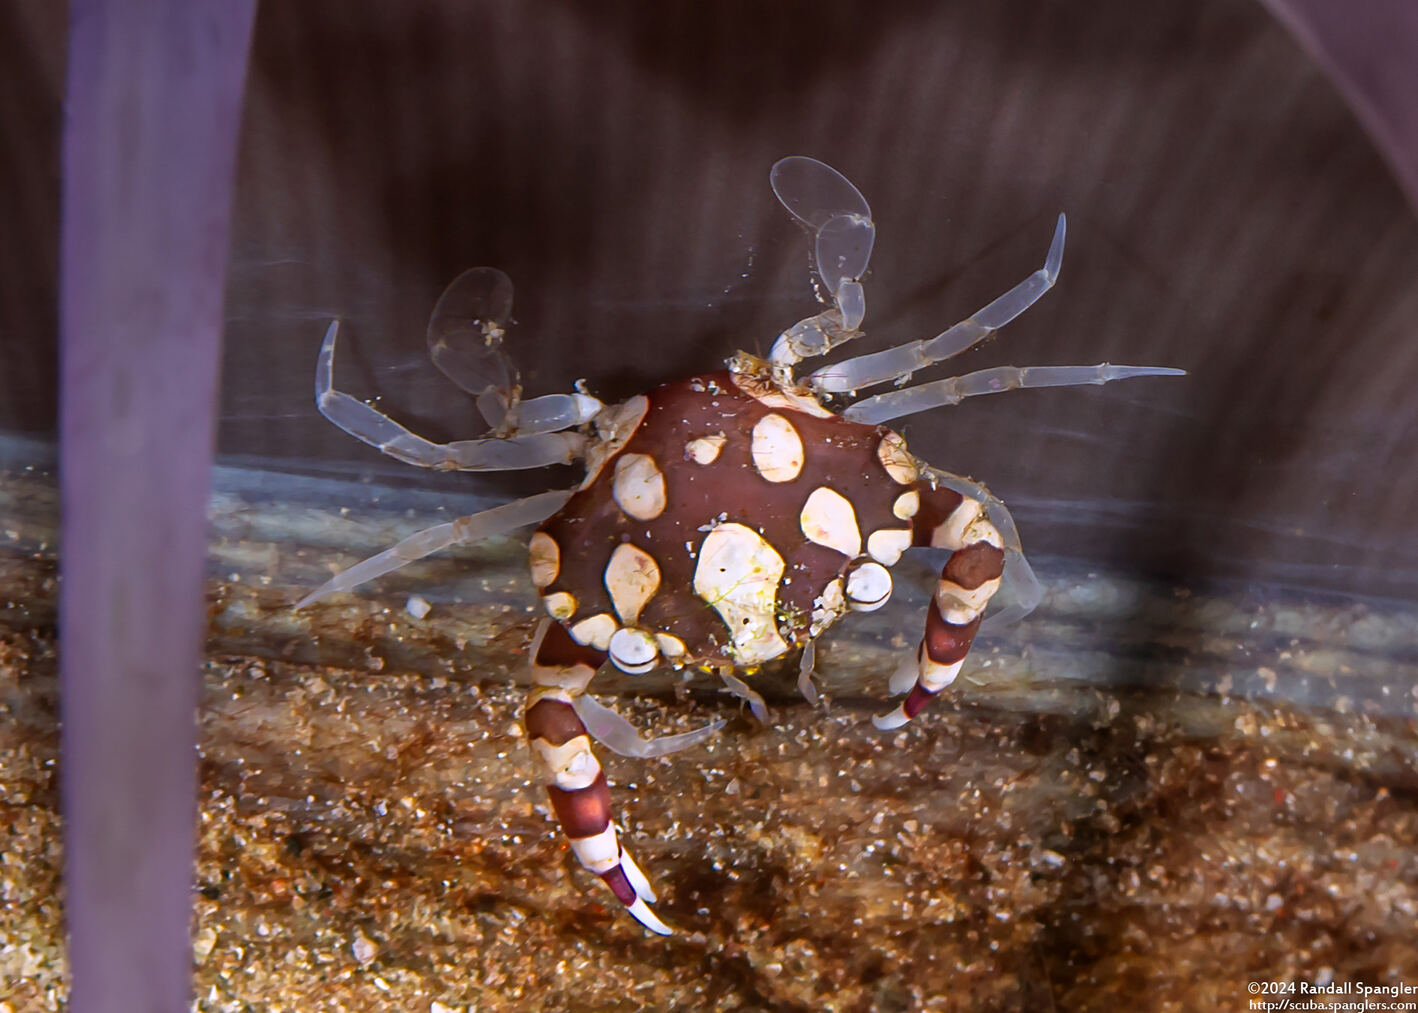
(1370, 51)
(153, 110)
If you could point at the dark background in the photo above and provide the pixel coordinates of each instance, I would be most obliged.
(1226, 215)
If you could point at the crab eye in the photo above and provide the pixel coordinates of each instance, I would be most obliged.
(868, 587)
(633, 651)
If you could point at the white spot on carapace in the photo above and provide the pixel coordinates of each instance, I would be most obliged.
(907, 504)
(958, 606)
(633, 651)
(737, 574)
(828, 519)
(544, 555)
(868, 587)
(670, 645)
(614, 427)
(886, 544)
(632, 578)
(777, 449)
(561, 605)
(595, 631)
(899, 464)
(705, 449)
(639, 487)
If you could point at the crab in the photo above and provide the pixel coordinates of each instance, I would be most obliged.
(725, 520)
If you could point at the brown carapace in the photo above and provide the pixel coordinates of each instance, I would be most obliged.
(725, 520)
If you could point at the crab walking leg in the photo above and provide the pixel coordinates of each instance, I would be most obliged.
(971, 576)
(551, 413)
(621, 737)
(575, 783)
(806, 664)
(744, 691)
(511, 453)
(953, 390)
(900, 362)
(1020, 586)
(473, 528)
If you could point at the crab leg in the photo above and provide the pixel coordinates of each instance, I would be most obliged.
(465, 340)
(806, 665)
(576, 785)
(900, 362)
(953, 390)
(825, 202)
(473, 528)
(816, 335)
(971, 576)
(510, 453)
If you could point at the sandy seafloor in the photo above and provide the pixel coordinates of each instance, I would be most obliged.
(1142, 797)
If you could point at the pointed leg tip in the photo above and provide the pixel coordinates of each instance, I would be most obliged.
(641, 912)
(639, 882)
(1054, 260)
(890, 720)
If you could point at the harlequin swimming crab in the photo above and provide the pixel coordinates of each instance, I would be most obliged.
(725, 520)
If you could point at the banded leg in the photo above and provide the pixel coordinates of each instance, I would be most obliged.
(473, 528)
(968, 581)
(496, 453)
(576, 785)
(900, 362)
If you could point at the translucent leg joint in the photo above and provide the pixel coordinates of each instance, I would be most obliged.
(621, 737)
